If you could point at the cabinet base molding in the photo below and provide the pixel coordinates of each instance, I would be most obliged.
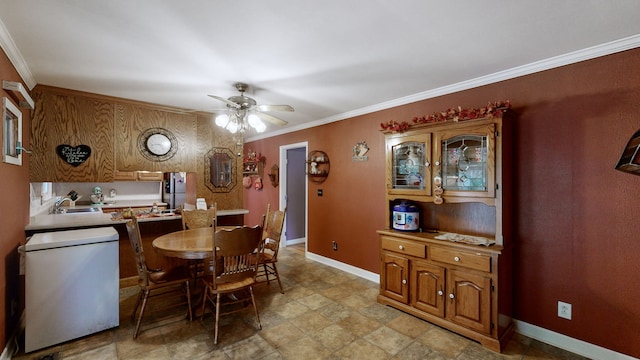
(489, 342)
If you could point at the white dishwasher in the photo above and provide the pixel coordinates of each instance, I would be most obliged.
(71, 285)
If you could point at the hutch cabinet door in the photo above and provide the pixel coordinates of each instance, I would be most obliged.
(409, 164)
(469, 300)
(466, 161)
(428, 287)
(394, 277)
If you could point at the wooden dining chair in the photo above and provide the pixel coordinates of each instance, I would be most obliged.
(150, 280)
(272, 224)
(198, 218)
(193, 219)
(233, 272)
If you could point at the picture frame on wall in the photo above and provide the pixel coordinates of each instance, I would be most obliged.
(12, 133)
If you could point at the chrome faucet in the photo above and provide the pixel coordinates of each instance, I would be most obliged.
(58, 205)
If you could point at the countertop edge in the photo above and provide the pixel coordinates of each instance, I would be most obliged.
(63, 221)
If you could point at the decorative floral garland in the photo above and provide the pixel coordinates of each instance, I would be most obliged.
(459, 114)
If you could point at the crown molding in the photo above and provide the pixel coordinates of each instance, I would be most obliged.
(10, 48)
(593, 52)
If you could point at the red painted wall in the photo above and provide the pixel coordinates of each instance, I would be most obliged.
(576, 218)
(14, 207)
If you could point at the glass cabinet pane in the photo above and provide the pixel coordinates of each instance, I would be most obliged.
(408, 166)
(464, 163)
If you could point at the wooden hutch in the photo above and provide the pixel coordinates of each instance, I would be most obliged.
(455, 271)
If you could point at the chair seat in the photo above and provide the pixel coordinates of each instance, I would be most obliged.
(266, 257)
(176, 274)
(229, 287)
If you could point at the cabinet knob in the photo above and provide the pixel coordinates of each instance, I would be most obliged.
(451, 296)
(456, 258)
(401, 247)
(440, 293)
(427, 164)
(404, 281)
(437, 163)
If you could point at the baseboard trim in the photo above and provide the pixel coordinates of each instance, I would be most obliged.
(561, 341)
(564, 342)
(344, 267)
(295, 241)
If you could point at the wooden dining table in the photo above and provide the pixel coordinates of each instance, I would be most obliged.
(191, 244)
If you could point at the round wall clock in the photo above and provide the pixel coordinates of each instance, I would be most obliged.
(157, 144)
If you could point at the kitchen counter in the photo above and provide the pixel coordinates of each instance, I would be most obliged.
(78, 220)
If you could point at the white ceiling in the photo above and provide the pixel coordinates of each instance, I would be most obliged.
(329, 60)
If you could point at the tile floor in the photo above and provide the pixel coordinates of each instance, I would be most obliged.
(324, 314)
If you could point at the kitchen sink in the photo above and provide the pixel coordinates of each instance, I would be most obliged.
(83, 210)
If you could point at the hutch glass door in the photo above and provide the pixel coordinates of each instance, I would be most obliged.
(410, 172)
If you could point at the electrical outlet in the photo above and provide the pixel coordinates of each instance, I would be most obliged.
(334, 245)
(564, 310)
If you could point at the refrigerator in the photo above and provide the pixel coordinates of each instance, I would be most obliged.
(72, 283)
(179, 188)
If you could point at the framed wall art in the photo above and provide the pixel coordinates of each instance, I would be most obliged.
(12, 133)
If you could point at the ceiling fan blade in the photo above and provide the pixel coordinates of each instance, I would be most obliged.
(226, 101)
(272, 119)
(274, 108)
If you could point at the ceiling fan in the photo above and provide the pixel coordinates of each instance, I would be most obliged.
(245, 111)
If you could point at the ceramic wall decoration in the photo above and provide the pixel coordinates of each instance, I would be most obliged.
(359, 151)
(274, 175)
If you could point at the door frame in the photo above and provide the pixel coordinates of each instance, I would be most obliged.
(283, 189)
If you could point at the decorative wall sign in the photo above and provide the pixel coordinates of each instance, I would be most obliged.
(73, 155)
(359, 151)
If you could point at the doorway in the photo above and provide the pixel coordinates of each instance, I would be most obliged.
(293, 192)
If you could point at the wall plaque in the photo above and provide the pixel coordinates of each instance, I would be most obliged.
(73, 155)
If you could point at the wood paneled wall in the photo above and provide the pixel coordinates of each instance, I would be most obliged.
(132, 120)
(111, 127)
(62, 119)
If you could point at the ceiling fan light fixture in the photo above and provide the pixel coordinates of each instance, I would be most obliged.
(241, 114)
(222, 120)
(232, 126)
(254, 121)
(261, 127)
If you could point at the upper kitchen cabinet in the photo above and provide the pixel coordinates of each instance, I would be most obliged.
(150, 138)
(71, 137)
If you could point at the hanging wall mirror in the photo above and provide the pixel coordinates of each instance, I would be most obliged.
(220, 170)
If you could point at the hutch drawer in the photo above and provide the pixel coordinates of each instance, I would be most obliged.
(466, 259)
(411, 248)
